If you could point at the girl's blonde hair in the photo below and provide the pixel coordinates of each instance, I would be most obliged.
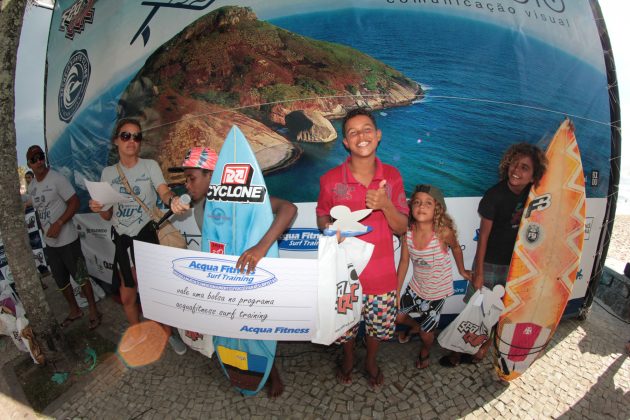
(442, 221)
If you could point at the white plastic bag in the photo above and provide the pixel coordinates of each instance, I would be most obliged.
(13, 322)
(473, 325)
(197, 341)
(99, 293)
(339, 294)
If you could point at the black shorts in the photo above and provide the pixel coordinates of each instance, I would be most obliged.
(66, 261)
(425, 312)
(124, 257)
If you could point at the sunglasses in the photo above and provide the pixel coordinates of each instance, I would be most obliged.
(37, 157)
(126, 136)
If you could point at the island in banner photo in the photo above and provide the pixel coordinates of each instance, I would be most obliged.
(229, 67)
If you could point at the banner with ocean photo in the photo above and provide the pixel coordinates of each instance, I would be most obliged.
(452, 83)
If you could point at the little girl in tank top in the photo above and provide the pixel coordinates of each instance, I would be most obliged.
(430, 235)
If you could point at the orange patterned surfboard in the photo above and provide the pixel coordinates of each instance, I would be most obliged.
(546, 258)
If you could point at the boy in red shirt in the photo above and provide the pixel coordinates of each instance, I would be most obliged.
(362, 181)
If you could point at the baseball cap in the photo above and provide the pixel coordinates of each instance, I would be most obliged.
(197, 158)
(434, 192)
(32, 150)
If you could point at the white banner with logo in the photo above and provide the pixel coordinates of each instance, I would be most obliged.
(37, 244)
(98, 248)
(97, 245)
(203, 292)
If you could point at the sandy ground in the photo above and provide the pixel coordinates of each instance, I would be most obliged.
(619, 248)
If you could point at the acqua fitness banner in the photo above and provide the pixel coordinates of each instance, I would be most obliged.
(452, 83)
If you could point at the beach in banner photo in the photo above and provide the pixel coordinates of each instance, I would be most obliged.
(452, 87)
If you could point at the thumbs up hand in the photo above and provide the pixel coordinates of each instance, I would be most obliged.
(377, 199)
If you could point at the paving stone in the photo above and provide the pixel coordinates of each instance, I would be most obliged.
(583, 374)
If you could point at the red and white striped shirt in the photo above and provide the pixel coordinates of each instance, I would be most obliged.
(432, 273)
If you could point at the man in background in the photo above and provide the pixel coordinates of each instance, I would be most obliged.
(55, 203)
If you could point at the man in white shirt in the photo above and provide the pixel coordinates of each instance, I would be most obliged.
(56, 202)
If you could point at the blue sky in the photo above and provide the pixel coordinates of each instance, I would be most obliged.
(29, 117)
(29, 81)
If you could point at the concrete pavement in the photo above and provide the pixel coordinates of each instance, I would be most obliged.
(583, 374)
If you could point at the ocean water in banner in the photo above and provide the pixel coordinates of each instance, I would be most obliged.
(546, 258)
(237, 215)
(452, 84)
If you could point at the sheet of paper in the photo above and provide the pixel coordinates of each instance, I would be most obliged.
(104, 194)
(203, 292)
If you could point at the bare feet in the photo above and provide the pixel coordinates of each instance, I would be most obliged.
(346, 365)
(276, 387)
(628, 347)
(344, 376)
(470, 359)
(71, 318)
(449, 360)
(375, 378)
(422, 362)
(481, 354)
(94, 322)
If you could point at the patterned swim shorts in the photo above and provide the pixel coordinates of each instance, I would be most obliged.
(379, 315)
(424, 312)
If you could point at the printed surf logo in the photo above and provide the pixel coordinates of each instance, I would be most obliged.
(539, 203)
(220, 274)
(473, 334)
(348, 291)
(219, 217)
(236, 185)
(74, 82)
(74, 18)
(533, 233)
(299, 239)
(346, 296)
(216, 247)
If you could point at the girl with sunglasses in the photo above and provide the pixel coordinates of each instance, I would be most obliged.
(129, 219)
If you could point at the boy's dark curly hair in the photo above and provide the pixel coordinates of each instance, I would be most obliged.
(516, 151)
(356, 112)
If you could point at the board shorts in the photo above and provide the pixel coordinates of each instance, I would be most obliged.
(493, 274)
(124, 258)
(66, 261)
(425, 312)
(379, 314)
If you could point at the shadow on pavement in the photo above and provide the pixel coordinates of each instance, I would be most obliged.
(604, 398)
(567, 379)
